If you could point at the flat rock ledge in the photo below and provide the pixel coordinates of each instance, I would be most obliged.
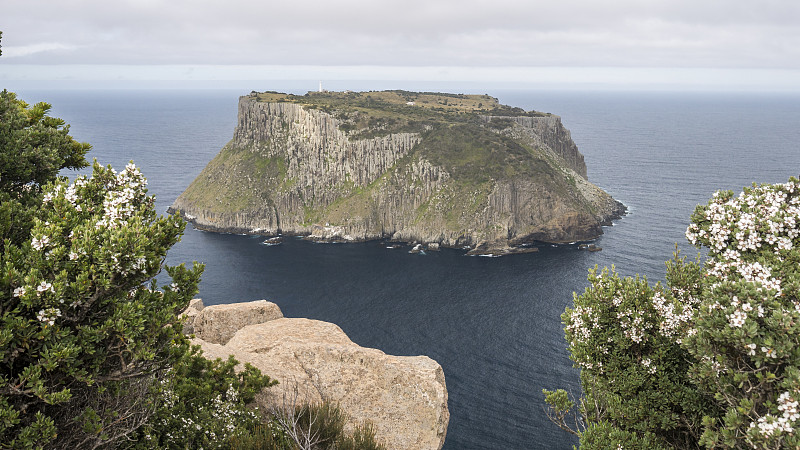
(404, 397)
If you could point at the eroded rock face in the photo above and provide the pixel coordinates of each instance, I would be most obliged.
(405, 397)
(549, 134)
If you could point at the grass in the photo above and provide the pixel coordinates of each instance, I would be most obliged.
(381, 99)
(242, 179)
(473, 154)
(313, 427)
(456, 203)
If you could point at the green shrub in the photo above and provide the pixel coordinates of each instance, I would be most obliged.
(305, 427)
(605, 436)
(84, 332)
(747, 341)
(322, 427)
(34, 147)
(633, 369)
(264, 436)
(711, 359)
(204, 404)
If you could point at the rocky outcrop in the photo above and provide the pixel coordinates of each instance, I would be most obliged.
(218, 323)
(295, 170)
(404, 397)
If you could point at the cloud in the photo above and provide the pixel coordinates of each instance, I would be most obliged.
(33, 49)
(572, 33)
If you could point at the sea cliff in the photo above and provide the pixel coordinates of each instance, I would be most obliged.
(464, 171)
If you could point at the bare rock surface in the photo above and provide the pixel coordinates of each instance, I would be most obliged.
(218, 323)
(404, 397)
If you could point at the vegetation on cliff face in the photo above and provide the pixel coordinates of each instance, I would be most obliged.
(446, 168)
(711, 359)
(249, 178)
(471, 153)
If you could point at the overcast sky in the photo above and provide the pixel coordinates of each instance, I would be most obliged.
(749, 42)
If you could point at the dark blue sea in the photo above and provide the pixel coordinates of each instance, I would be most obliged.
(492, 323)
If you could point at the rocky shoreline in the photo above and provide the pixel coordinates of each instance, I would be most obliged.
(484, 249)
(335, 235)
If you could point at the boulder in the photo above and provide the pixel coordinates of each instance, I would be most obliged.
(196, 304)
(404, 397)
(417, 249)
(218, 323)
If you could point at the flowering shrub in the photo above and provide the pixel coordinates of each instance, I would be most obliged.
(626, 336)
(34, 147)
(204, 405)
(711, 359)
(747, 344)
(84, 331)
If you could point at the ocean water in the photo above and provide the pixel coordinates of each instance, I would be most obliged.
(492, 323)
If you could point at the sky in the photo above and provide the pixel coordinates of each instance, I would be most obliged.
(692, 44)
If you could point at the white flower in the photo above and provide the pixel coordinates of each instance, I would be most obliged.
(784, 243)
(788, 407)
(19, 292)
(71, 195)
(39, 244)
(44, 286)
(737, 318)
(48, 315)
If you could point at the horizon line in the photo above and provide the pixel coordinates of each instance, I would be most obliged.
(570, 78)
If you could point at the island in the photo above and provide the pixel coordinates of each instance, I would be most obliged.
(437, 169)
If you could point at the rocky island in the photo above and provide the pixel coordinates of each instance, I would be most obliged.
(448, 170)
